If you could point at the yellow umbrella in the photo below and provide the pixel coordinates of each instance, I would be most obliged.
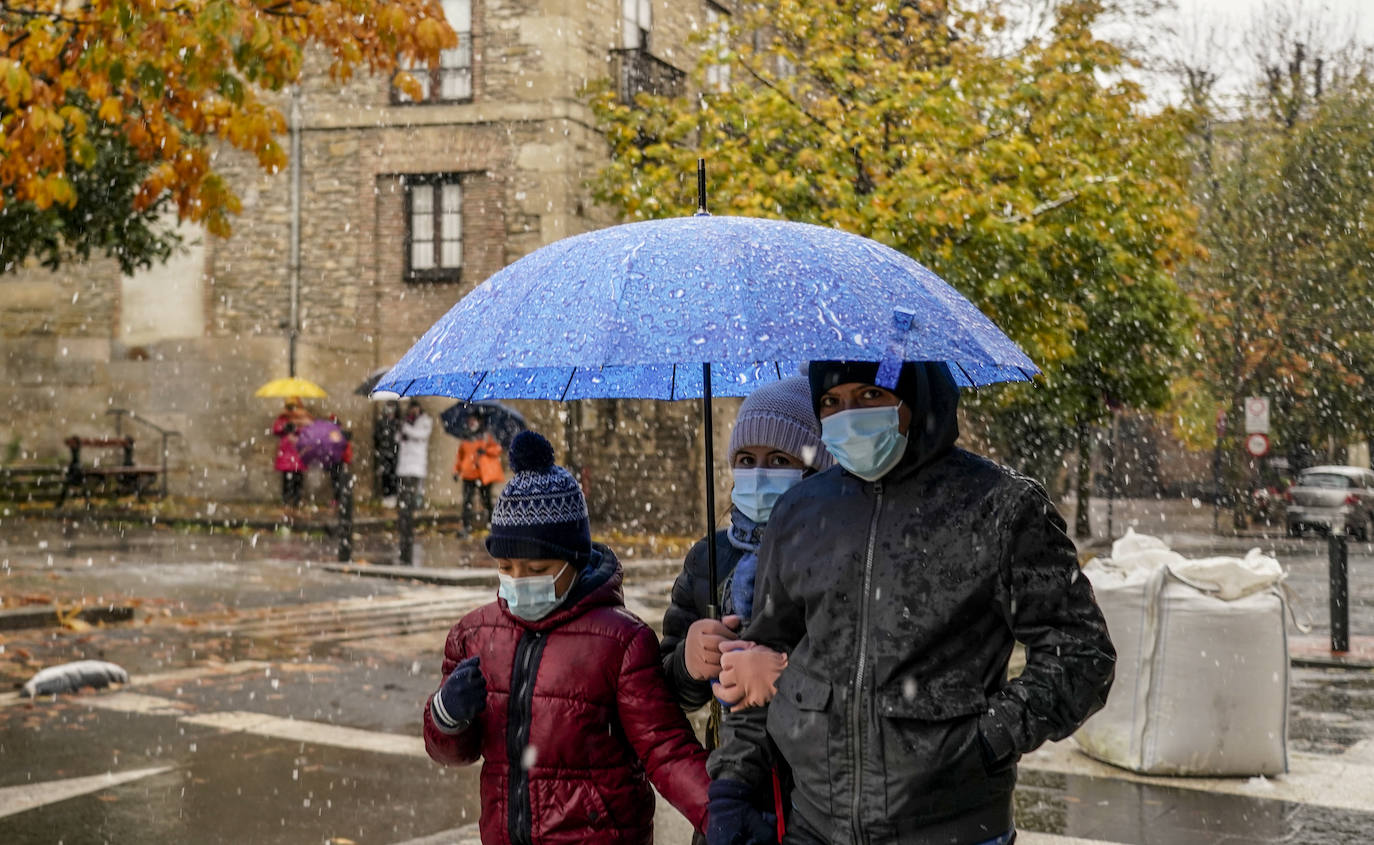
(284, 388)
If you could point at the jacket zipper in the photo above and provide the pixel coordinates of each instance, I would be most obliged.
(520, 816)
(856, 692)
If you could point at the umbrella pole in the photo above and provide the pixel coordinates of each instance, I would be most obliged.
(713, 604)
(713, 607)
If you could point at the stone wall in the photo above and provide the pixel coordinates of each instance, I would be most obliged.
(525, 146)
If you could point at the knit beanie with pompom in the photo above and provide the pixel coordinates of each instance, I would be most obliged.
(541, 512)
(779, 416)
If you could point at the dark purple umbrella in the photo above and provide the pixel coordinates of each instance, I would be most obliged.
(321, 443)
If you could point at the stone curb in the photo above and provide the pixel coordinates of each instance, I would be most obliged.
(47, 615)
(361, 525)
(479, 577)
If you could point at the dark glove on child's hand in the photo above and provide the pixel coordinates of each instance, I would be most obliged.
(733, 820)
(461, 698)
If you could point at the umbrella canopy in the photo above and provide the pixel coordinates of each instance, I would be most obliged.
(284, 388)
(502, 421)
(620, 311)
(369, 384)
(698, 306)
(321, 443)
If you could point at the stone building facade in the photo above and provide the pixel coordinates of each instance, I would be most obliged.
(405, 207)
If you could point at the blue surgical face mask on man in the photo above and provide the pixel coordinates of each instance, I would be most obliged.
(866, 441)
(530, 598)
(757, 489)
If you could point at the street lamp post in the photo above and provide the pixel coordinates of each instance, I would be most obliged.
(293, 328)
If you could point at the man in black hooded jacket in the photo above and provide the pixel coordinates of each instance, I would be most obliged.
(897, 583)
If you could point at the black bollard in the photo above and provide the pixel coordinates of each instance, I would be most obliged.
(1338, 554)
(405, 520)
(344, 495)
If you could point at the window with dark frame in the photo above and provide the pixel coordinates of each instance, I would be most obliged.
(451, 81)
(636, 22)
(434, 228)
(717, 24)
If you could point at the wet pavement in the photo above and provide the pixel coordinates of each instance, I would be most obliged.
(275, 701)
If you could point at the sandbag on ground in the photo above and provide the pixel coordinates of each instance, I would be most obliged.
(1202, 663)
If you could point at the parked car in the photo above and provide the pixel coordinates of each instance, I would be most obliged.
(1332, 498)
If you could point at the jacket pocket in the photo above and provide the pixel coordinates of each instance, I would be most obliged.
(912, 700)
(799, 724)
(565, 810)
(597, 809)
(932, 752)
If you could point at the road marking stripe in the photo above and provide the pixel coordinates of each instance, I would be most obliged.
(317, 733)
(135, 702)
(17, 799)
(1319, 779)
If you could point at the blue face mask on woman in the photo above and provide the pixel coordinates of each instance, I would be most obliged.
(757, 489)
(530, 598)
(866, 441)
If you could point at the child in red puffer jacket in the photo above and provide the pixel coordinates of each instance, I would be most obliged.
(556, 686)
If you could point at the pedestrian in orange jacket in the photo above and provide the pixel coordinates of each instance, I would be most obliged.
(479, 467)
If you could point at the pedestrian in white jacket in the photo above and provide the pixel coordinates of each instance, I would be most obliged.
(412, 459)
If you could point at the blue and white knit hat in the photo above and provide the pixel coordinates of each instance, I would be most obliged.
(541, 512)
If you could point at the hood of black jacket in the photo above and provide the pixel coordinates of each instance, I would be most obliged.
(926, 387)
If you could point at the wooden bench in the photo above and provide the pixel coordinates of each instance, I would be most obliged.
(28, 482)
(114, 479)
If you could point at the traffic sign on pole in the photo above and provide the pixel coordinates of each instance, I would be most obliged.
(1257, 444)
(1257, 415)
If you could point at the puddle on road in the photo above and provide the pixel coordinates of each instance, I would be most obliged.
(1118, 810)
(229, 788)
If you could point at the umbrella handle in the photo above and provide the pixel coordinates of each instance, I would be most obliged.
(712, 609)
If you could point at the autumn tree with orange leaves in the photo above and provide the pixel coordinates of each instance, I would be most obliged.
(111, 110)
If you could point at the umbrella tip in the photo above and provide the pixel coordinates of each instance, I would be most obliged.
(701, 186)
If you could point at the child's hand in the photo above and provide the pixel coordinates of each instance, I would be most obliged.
(732, 818)
(748, 675)
(462, 697)
(701, 651)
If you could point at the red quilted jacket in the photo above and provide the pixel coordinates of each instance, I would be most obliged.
(569, 758)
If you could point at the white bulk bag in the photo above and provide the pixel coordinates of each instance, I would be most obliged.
(1201, 681)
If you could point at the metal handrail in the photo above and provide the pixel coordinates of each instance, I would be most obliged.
(121, 413)
(638, 70)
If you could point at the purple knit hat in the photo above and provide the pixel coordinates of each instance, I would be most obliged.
(779, 415)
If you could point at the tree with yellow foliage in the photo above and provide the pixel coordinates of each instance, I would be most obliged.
(1033, 178)
(110, 110)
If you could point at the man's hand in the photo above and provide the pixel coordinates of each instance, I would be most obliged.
(748, 675)
(702, 649)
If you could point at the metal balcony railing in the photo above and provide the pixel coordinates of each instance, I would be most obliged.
(638, 72)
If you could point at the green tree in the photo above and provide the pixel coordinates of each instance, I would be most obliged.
(1284, 294)
(1033, 181)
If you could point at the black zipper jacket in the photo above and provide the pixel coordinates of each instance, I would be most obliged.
(898, 602)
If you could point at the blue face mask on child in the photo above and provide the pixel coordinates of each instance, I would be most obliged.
(530, 598)
(866, 441)
(757, 489)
